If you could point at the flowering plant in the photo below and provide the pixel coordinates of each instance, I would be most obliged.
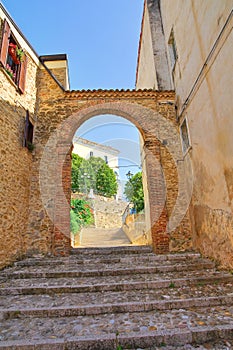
(16, 53)
(10, 72)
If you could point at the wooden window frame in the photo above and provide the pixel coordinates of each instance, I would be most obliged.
(15, 69)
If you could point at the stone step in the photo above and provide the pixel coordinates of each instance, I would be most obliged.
(217, 344)
(107, 331)
(110, 283)
(88, 265)
(211, 338)
(77, 304)
(131, 249)
(72, 271)
(87, 310)
(114, 298)
(79, 260)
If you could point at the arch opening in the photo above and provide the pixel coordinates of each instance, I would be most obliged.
(107, 177)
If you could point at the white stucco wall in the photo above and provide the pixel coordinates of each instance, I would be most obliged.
(83, 150)
(203, 78)
(146, 75)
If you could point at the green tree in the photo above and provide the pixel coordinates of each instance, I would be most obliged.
(86, 176)
(76, 163)
(96, 163)
(106, 182)
(74, 226)
(134, 191)
(93, 173)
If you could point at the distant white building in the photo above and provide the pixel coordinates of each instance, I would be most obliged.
(86, 149)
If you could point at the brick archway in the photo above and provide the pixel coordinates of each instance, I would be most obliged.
(153, 113)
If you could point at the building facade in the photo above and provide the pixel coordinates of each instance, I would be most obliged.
(86, 149)
(19, 88)
(187, 45)
(187, 74)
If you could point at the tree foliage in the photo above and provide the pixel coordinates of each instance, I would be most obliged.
(74, 226)
(93, 173)
(134, 191)
(106, 183)
(76, 162)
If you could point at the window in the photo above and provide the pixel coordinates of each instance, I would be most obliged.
(91, 154)
(12, 58)
(106, 159)
(172, 50)
(28, 133)
(185, 136)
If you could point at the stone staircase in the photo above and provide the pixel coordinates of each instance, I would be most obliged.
(116, 298)
(103, 237)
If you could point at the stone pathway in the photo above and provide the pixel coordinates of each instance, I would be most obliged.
(116, 298)
(103, 237)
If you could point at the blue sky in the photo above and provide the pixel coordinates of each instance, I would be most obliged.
(101, 40)
(100, 37)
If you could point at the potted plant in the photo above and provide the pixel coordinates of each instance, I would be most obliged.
(10, 72)
(20, 54)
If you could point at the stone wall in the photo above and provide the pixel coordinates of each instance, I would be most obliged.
(15, 166)
(15, 163)
(135, 229)
(108, 212)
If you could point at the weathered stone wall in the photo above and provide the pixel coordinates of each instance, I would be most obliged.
(62, 113)
(203, 39)
(108, 212)
(207, 37)
(60, 74)
(15, 163)
(135, 229)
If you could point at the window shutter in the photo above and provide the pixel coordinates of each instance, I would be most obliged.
(5, 42)
(26, 130)
(22, 76)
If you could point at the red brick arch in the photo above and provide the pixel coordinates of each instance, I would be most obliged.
(146, 120)
(153, 113)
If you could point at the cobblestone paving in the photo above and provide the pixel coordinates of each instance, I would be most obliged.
(178, 304)
(217, 345)
(83, 326)
(109, 297)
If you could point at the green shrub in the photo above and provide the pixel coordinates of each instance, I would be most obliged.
(74, 227)
(81, 215)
